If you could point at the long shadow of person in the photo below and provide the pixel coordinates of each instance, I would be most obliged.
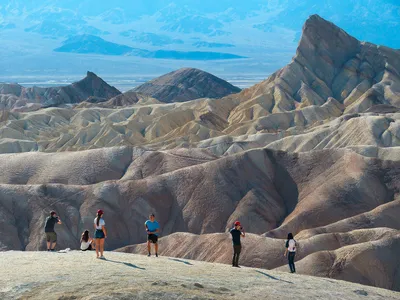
(126, 264)
(272, 277)
(181, 261)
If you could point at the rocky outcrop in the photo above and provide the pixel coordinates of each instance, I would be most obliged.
(186, 84)
(328, 63)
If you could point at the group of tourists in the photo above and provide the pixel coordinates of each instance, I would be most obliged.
(152, 229)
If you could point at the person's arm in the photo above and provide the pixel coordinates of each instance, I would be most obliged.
(59, 220)
(286, 248)
(104, 230)
(147, 228)
(242, 232)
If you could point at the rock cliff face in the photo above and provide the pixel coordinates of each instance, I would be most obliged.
(186, 84)
(328, 63)
(14, 95)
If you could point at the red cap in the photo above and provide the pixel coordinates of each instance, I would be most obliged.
(53, 212)
(237, 223)
(100, 212)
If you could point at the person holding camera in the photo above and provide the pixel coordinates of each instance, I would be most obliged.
(237, 232)
(51, 235)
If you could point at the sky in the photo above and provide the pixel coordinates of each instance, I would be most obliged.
(153, 37)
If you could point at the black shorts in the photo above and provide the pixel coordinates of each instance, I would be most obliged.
(152, 238)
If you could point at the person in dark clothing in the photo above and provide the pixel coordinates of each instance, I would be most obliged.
(236, 232)
(51, 235)
(290, 252)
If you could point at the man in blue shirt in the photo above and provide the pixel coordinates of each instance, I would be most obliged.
(152, 229)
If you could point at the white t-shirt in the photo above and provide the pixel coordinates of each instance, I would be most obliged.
(292, 245)
(101, 223)
(85, 245)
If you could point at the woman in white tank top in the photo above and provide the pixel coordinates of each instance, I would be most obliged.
(86, 241)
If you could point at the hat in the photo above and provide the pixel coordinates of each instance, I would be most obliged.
(100, 212)
(237, 223)
(53, 213)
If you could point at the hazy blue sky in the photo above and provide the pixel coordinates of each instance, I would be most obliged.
(125, 36)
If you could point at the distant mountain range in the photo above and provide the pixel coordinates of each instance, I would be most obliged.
(266, 32)
(90, 44)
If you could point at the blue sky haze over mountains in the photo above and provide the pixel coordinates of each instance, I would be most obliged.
(154, 37)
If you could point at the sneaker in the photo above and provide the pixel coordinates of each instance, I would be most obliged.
(102, 257)
(149, 255)
(156, 255)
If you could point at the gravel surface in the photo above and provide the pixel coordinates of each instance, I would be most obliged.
(79, 275)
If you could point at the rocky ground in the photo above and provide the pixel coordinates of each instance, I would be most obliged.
(79, 275)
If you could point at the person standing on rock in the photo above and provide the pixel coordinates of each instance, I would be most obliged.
(290, 252)
(100, 233)
(152, 229)
(51, 235)
(237, 232)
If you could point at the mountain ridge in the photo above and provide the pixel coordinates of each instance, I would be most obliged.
(92, 85)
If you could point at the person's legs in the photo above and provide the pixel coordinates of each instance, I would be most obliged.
(291, 261)
(148, 247)
(101, 247)
(234, 256)
(238, 250)
(156, 248)
(97, 247)
(53, 240)
(293, 266)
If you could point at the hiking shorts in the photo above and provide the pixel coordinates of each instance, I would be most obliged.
(99, 234)
(152, 238)
(51, 237)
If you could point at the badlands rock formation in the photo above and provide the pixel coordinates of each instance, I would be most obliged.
(126, 99)
(33, 275)
(15, 95)
(186, 84)
(331, 200)
(313, 150)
